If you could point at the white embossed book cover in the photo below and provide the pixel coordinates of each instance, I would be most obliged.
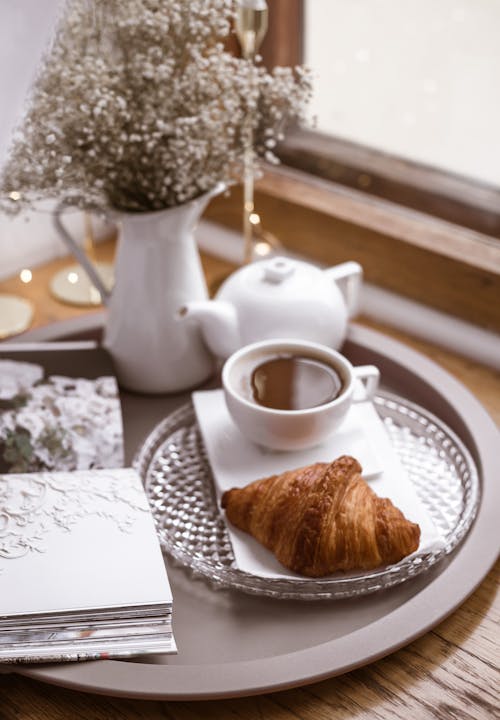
(74, 541)
(80, 567)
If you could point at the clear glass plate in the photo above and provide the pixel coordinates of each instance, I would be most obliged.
(174, 467)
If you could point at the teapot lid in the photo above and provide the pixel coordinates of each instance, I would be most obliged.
(277, 270)
(275, 278)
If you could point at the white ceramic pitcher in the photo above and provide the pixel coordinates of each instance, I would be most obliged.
(158, 269)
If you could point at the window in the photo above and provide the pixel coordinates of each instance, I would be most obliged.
(416, 202)
(404, 98)
(416, 79)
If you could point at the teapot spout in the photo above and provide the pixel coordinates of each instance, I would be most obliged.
(218, 324)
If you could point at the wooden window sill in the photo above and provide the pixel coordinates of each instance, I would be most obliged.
(451, 268)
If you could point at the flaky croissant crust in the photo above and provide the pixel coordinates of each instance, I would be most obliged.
(322, 518)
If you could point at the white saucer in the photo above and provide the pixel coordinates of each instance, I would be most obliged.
(236, 461)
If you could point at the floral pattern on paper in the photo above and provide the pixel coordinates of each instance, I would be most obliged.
(57, 423)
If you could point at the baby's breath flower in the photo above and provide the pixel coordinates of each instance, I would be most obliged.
(137, 106)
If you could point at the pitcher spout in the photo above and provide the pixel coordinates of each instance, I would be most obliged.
(218, 323)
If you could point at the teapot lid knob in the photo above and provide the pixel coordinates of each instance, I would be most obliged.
(277, 270)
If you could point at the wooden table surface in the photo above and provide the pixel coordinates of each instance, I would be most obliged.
(449, 673)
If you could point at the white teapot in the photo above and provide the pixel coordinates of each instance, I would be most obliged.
(278, 298)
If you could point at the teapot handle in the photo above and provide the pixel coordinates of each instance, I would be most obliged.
(348, 277)
(77, 251)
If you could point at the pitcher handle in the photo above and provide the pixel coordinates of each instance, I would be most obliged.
(348, 277)
(77, 251)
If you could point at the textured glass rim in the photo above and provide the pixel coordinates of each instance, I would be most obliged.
(221, 576)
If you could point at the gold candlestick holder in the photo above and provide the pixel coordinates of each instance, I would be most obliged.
(16, 312)
(251, 27)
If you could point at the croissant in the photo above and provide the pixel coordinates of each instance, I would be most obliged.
(322, 518)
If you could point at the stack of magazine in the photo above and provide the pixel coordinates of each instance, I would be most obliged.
(81, 571)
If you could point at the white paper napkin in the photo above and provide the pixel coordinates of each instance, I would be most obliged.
(236, 461)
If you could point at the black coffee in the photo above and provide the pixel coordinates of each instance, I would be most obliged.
(295, 383)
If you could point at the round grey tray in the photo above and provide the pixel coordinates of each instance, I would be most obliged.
(232, 644)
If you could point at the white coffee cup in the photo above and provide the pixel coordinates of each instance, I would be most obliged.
(292, 429)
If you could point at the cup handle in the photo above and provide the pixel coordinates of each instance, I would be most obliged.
(366, 379)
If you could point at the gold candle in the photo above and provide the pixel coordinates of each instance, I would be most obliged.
(251, 25)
